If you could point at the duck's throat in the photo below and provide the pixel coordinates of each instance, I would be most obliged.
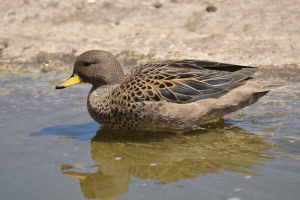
(98, 98)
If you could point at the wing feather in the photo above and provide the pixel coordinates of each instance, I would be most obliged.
(183, 81)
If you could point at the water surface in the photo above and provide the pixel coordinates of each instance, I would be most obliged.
(52, 149)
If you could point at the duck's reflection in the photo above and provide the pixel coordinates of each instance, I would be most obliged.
(166, 157)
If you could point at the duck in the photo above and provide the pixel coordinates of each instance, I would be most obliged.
(164, 95)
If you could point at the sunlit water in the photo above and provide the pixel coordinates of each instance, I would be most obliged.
(52, 149)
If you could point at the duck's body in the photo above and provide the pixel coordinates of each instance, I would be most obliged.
(164, 95)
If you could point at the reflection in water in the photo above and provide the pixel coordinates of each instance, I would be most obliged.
(166, 157)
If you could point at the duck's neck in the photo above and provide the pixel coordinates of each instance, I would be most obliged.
(97, 96)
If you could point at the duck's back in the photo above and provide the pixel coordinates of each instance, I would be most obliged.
(183, 81)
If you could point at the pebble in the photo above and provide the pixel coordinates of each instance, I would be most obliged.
(211, 9)
(153, 164)
(157, 5)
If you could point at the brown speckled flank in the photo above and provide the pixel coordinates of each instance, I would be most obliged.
(165, 95)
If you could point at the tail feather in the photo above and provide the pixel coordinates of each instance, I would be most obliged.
(266, 86)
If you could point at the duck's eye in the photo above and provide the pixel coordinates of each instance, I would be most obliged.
(86, 64)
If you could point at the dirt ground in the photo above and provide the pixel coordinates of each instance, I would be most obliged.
(47, 35)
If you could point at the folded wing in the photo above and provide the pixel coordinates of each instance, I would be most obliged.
(182, 81)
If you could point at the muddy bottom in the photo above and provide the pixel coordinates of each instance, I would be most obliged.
(52, 149)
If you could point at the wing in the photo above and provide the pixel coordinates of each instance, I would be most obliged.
(190, 64)
(181, 81)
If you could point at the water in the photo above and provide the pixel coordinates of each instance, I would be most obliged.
(52, 149)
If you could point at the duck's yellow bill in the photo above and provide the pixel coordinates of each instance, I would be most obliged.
(73, 80)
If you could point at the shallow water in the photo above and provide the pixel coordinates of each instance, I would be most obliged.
(52, 149)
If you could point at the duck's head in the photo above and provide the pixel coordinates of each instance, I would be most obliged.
(96, 67)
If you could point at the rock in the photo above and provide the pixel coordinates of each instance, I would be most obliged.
(158, 5)
(211, 9)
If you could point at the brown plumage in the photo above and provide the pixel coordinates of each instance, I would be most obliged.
(164, 95)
